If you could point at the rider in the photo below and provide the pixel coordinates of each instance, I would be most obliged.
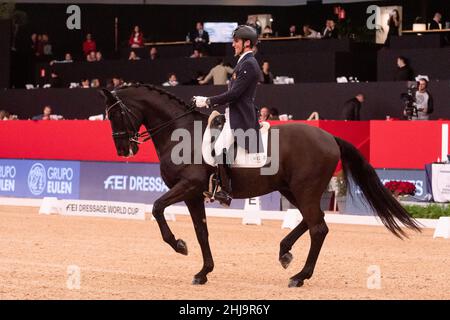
(241, 112)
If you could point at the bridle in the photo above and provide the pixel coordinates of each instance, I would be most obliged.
(134, 135)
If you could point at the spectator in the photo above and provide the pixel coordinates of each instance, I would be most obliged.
(267, 32)
(424, 101)
(133, 56)
(91, 57)
(199, 38)
(435, 24)
(219, 74)
(153, 53)
(310, 33)
(85, 83)
(136, 38)
(172, 81)
(292, 31)
(116, 82)
(196, 54)
(89, 45)
(98, 56)
(4, 115)
(34, 44)
(264, 114)
(46, 45)
(267, 75)
(352, 108)
(55, 80)
(274, 114)
(394, 25)
(330, 31)
(403, 72)
(67, 59)
(95, 83)
(199, 76)
(46, 114)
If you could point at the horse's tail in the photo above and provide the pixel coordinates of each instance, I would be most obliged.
(378, 197)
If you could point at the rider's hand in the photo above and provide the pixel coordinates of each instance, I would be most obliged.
(201, 102)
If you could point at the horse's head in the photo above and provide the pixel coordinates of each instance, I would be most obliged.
(125, 123)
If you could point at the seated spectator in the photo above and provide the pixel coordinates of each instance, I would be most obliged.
(264, 114)
(133, 56)
(199, 38)
(116, 82)
(403, 72)
(196, 54)
(435, 24)
(267, 32)
(267, 75)
(196, 79)
(153, 53)
(91, 57)
(55, 80)
(4, 115)
(46, 114)
(85, 83)
(309, 33)
(67, 59)
(98, 56)
(292, 31)
(89, 45)
(136, 38)
(172, 81)
(219, 74)
(274, 114)
(95, 83)
(330, 31)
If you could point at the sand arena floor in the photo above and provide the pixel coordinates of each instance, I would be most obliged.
(128, 260)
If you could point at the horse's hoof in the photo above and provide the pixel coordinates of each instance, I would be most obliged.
(199, 280)
(182, 247)
(286, 259)
(293, 283)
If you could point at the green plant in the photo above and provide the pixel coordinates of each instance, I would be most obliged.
(432, 211)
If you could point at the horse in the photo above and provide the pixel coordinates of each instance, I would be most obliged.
(308, 157)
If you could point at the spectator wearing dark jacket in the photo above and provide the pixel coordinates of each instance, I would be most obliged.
(352, 107)
(404, 71)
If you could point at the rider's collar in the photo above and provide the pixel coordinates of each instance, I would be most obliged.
(244, 54)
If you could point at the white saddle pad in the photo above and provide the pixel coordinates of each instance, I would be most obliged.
(243, 158)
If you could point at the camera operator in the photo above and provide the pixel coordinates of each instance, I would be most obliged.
(421, 105)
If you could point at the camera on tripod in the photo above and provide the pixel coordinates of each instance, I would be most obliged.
(409, 102)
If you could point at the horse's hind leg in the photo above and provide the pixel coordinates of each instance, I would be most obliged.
(197, 210)
(285, 257)
(314, 219)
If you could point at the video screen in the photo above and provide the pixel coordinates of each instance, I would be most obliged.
(220, 31)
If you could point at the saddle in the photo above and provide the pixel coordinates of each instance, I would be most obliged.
(243, 159)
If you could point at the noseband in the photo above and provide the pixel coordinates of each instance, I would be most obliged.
(136, 136)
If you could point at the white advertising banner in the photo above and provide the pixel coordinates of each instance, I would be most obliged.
(105, 209)
(440, 181)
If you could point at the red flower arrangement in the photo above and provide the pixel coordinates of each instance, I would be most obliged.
(400, 188)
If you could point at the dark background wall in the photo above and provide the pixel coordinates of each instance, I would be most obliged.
(382, 99)
(5, 50)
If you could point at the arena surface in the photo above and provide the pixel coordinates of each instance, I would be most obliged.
(128, 260)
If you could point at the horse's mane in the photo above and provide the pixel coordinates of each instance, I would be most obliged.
(159, 90)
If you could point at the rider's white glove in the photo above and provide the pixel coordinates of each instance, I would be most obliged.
(201, 102)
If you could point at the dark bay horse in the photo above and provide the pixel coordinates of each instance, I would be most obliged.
(307, 160)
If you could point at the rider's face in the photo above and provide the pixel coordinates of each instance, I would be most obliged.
(238, 45)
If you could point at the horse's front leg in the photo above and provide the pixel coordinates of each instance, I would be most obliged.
(178, 193)
(197, 210)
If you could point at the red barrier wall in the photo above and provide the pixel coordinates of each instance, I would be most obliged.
(387, 144)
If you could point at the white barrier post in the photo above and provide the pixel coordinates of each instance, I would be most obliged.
(252, 211)
(442, 228)
(444, 146)
(292, 218)
(49, 205)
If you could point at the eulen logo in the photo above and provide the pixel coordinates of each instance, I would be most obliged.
(37, 179)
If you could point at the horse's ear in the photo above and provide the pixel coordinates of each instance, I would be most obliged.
(107, 95)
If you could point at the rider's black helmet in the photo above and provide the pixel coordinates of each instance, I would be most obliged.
(245, 32)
